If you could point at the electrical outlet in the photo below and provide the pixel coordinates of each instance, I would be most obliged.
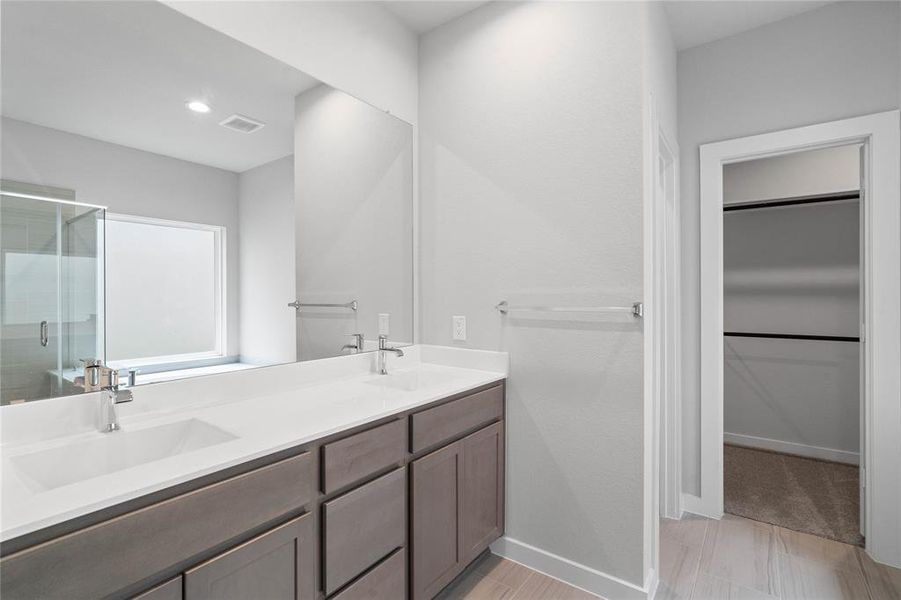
(384, 323)
(459, 323)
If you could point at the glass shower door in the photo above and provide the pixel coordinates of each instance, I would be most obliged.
(51, 293)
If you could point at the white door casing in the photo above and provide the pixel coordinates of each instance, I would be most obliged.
(880, 135)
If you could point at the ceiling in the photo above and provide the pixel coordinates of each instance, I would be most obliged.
(121, 72)
(696, 22)
(693, 22)
(421, 16)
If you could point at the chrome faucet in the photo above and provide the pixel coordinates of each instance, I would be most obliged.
(383, 350)
(357, 346)
(111, 396)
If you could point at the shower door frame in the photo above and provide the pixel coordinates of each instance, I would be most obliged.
(64, 196)
(880, 135)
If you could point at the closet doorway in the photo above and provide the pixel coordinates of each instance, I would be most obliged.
(792, 409)
(879, 260)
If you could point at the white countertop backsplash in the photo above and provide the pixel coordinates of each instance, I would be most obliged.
(268, 409)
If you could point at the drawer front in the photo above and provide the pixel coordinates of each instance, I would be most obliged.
(355, 457)
(275, 565)
(363, 526)
(388, 581)
(435, 425)
(171, 590)
(107, 557)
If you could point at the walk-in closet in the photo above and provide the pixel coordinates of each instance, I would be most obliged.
(792, 315)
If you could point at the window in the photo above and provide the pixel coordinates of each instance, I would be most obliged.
(165, 291)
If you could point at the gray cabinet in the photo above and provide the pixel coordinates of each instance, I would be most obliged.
(170, 590)
(435, 472)
(101, 560)
(363, 526)
(456, 507)
(482, 491)
(277, 565)
(435, 519)
(450, 420)
(356, 457)
(387, 581)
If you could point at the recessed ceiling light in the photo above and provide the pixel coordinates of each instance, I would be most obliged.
(198, 106)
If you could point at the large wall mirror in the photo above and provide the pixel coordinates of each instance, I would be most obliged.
(175, 203)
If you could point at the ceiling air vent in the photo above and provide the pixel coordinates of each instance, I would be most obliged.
(242, 124)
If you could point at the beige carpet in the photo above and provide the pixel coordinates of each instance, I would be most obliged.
(803, 494)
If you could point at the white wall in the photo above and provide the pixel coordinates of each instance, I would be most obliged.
(266, 226)
(358, 47)
(793, 269)
(354, 221)
(531, 190)
(660, 68)
(832, 63)
(131, 182)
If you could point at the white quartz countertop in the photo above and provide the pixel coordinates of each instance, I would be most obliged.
(262, 411)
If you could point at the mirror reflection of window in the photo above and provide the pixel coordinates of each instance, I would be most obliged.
(165, 302)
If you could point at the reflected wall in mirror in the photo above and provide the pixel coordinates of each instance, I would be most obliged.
(354, 236)
(168, 191)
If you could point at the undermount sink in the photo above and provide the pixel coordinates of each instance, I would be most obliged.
(48, 469)
(410, 380)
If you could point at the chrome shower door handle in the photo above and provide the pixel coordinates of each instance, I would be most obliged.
(45, 333)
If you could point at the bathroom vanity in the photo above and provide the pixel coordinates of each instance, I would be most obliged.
(394, 503)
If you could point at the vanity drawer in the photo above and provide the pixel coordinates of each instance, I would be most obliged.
(388, 581)
(450, 420)
(355, 457)
(363, 526)
(277, 564)
(170, 590)
(107, 557)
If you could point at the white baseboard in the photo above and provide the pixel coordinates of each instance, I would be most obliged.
(842, 456)
(696, 506)
(580, 576)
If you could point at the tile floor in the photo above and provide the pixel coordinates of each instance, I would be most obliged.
(736, 558)
(703, 559)
(495, 578)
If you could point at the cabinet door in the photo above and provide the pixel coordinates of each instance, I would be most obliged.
(277, 565)
(482, 490)
(436, 512)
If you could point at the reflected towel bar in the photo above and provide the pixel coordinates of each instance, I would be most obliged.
(636, 310)
(297, 305)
